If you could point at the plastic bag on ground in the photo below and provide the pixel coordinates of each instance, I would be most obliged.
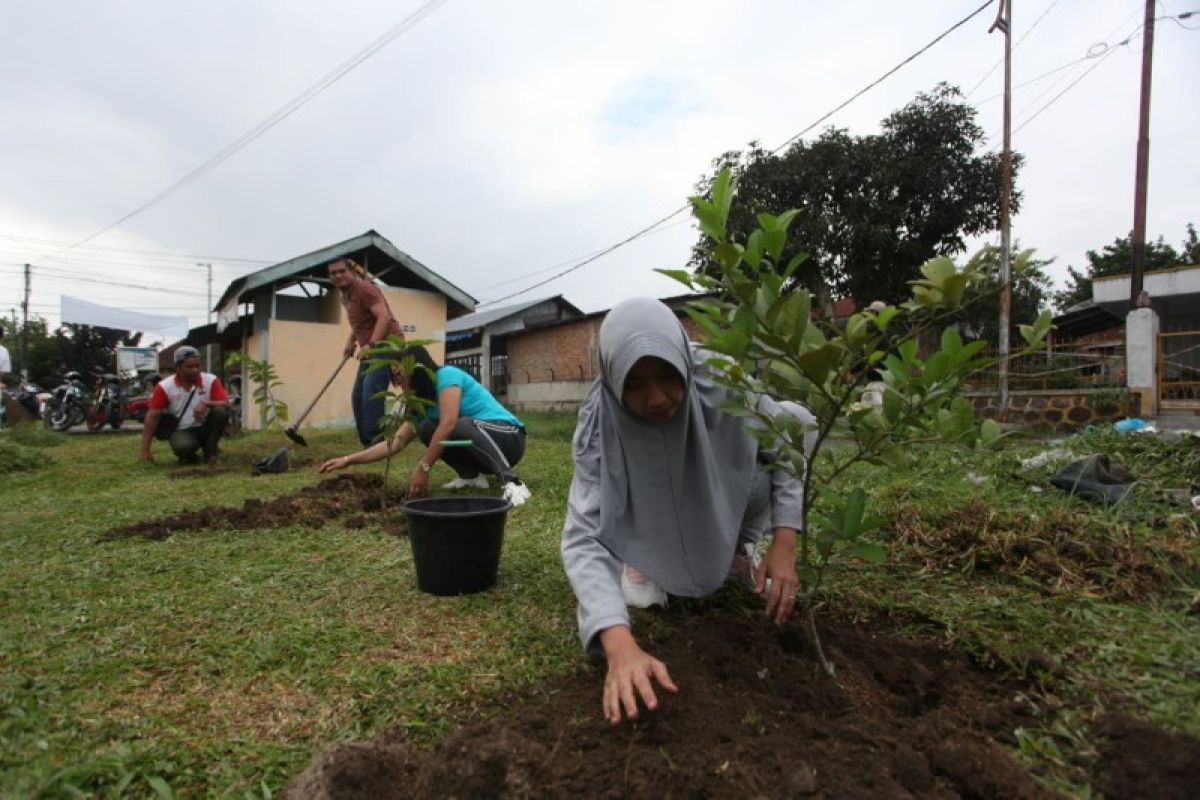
(273, 464)
(1095, 478)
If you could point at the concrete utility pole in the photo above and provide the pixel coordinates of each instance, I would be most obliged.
(25, 329)
(1004, 23)
(1143, 162)
(208, 315)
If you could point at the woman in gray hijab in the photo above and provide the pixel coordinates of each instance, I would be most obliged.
(666, 488)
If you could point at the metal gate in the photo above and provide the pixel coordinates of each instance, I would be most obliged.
(1179, 369)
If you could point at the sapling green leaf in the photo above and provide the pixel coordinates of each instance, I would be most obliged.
(767, 342)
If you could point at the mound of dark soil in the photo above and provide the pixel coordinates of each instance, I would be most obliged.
(1140, 760)
(355, 499)
(754, 717)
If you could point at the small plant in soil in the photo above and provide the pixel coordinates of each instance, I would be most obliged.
(764, 341)
(399, 406)
(266, 382)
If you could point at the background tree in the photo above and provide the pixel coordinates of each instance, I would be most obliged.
(87, 346)
(1117, 259)
(69, 347)
(872, 209)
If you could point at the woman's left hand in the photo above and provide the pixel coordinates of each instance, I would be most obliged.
(780, 566)
(418, 484)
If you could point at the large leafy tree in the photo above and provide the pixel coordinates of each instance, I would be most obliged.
(1117, 259)
(872, 208)
(69, 347)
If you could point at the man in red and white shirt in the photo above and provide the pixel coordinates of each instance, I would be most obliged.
(198, 400)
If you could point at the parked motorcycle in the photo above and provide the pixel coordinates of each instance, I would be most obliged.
(137, 406)
(25, 395)
(30, 396)
(67, 405)
(107, 405)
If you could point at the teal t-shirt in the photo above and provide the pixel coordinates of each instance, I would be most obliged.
(477, 402)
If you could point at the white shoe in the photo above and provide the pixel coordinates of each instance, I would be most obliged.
(745, 566)
(478, 482)
(640, 591)
(516, 493)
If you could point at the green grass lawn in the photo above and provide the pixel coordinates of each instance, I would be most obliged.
(216, 663)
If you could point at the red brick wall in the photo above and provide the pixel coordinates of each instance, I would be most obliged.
(565, 352)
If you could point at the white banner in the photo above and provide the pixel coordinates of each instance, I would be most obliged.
(228, 314)
(84, 313)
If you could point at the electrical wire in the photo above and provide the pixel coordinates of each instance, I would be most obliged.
(1014, 47)
(55, 273)
(1098, 53)
(159, 253)
(1068, 88)
(649, 228)
(279, 115)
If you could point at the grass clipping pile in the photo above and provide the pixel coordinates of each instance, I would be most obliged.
(355, 500)
(1059, 552)
(754, 717)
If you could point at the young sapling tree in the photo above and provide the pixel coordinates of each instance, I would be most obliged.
(764, 340)
(399, 404)
(273, 411)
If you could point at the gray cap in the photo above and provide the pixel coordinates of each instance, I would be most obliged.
(185, 352)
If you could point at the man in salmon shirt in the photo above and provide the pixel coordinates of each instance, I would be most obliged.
(370, 321)
(198, 400)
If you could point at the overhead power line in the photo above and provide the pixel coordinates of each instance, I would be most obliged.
(1097, 53)
(167, 254)
(279, 115)
(1016, 44)
(585, 260)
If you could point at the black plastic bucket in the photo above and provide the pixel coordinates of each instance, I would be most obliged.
(456, 542)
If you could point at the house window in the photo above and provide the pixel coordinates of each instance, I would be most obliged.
(468, 364)
(499, 375)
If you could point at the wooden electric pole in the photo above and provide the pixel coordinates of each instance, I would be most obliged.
(1143, 162)
(25, 330)
(1004, 23)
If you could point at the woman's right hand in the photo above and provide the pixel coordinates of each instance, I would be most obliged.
(631, 675)
(341, 462)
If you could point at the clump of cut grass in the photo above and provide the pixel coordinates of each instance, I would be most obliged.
(16, 457)
(32, 434)
(1058, 551)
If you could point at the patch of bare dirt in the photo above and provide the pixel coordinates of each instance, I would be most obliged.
(1057, 552)
(354, 499)
(755, 717)
(1138, 759)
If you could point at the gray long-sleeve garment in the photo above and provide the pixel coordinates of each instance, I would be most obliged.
(595, 572)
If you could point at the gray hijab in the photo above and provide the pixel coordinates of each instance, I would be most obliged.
(672, 494)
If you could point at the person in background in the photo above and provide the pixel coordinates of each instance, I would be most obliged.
(670, 495)
(459, 409)
(371, 320)
(5, 369)
(198, 400)
(5, 360)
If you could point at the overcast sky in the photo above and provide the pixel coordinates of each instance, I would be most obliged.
(495, 141)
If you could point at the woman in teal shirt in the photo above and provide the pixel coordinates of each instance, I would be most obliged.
(460, 408)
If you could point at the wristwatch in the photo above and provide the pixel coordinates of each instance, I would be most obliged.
(424, 467)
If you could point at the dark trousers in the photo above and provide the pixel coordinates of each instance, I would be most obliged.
(185, 442)
(496, 447)
(368, 408)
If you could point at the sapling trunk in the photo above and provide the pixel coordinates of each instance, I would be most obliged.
(810, 623)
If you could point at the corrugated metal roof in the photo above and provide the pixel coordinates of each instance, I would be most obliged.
(403, 271)
(482, 319)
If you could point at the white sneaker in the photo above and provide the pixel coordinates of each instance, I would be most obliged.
(745, 565)
(478, 482)
(640, 591)
(516, 493)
